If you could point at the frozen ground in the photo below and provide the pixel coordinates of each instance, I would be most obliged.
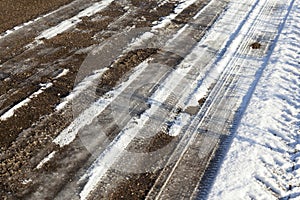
(263, 161)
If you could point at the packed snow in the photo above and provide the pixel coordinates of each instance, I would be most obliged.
(263, 160)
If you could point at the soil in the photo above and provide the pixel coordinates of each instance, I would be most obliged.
(17, 12)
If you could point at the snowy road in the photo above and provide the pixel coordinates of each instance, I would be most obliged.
(136, 99)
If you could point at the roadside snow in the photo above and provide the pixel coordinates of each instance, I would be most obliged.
(263, 161)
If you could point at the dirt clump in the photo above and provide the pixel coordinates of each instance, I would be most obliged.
(255, 45)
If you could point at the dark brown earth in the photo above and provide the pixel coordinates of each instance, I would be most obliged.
(16, 12)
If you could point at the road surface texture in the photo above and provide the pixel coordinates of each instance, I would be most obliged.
(126, 99)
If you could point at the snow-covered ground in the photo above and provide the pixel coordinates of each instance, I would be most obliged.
(263, 161)
(206, 82)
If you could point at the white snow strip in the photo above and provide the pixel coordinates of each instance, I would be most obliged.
(26, 181)
(82, 86)
(67, 24)
(263, 160)
(45, 160)
(183, 4)
(107, 158)
(63, 73)
(11, 111)
(8, 32)
(69, 134)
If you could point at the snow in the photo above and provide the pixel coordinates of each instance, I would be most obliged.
(45, 160)
(180, 122)
(263, 159)
(67, 24)
(63, 73)
(26, 181)
(82, 86)
(183, 4)
(11, 111)
(69, 134)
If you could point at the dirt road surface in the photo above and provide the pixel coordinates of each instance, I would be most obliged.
(125, 99)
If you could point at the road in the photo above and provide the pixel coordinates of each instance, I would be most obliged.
(127, 99)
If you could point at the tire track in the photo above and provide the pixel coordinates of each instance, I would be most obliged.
(217, 119)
